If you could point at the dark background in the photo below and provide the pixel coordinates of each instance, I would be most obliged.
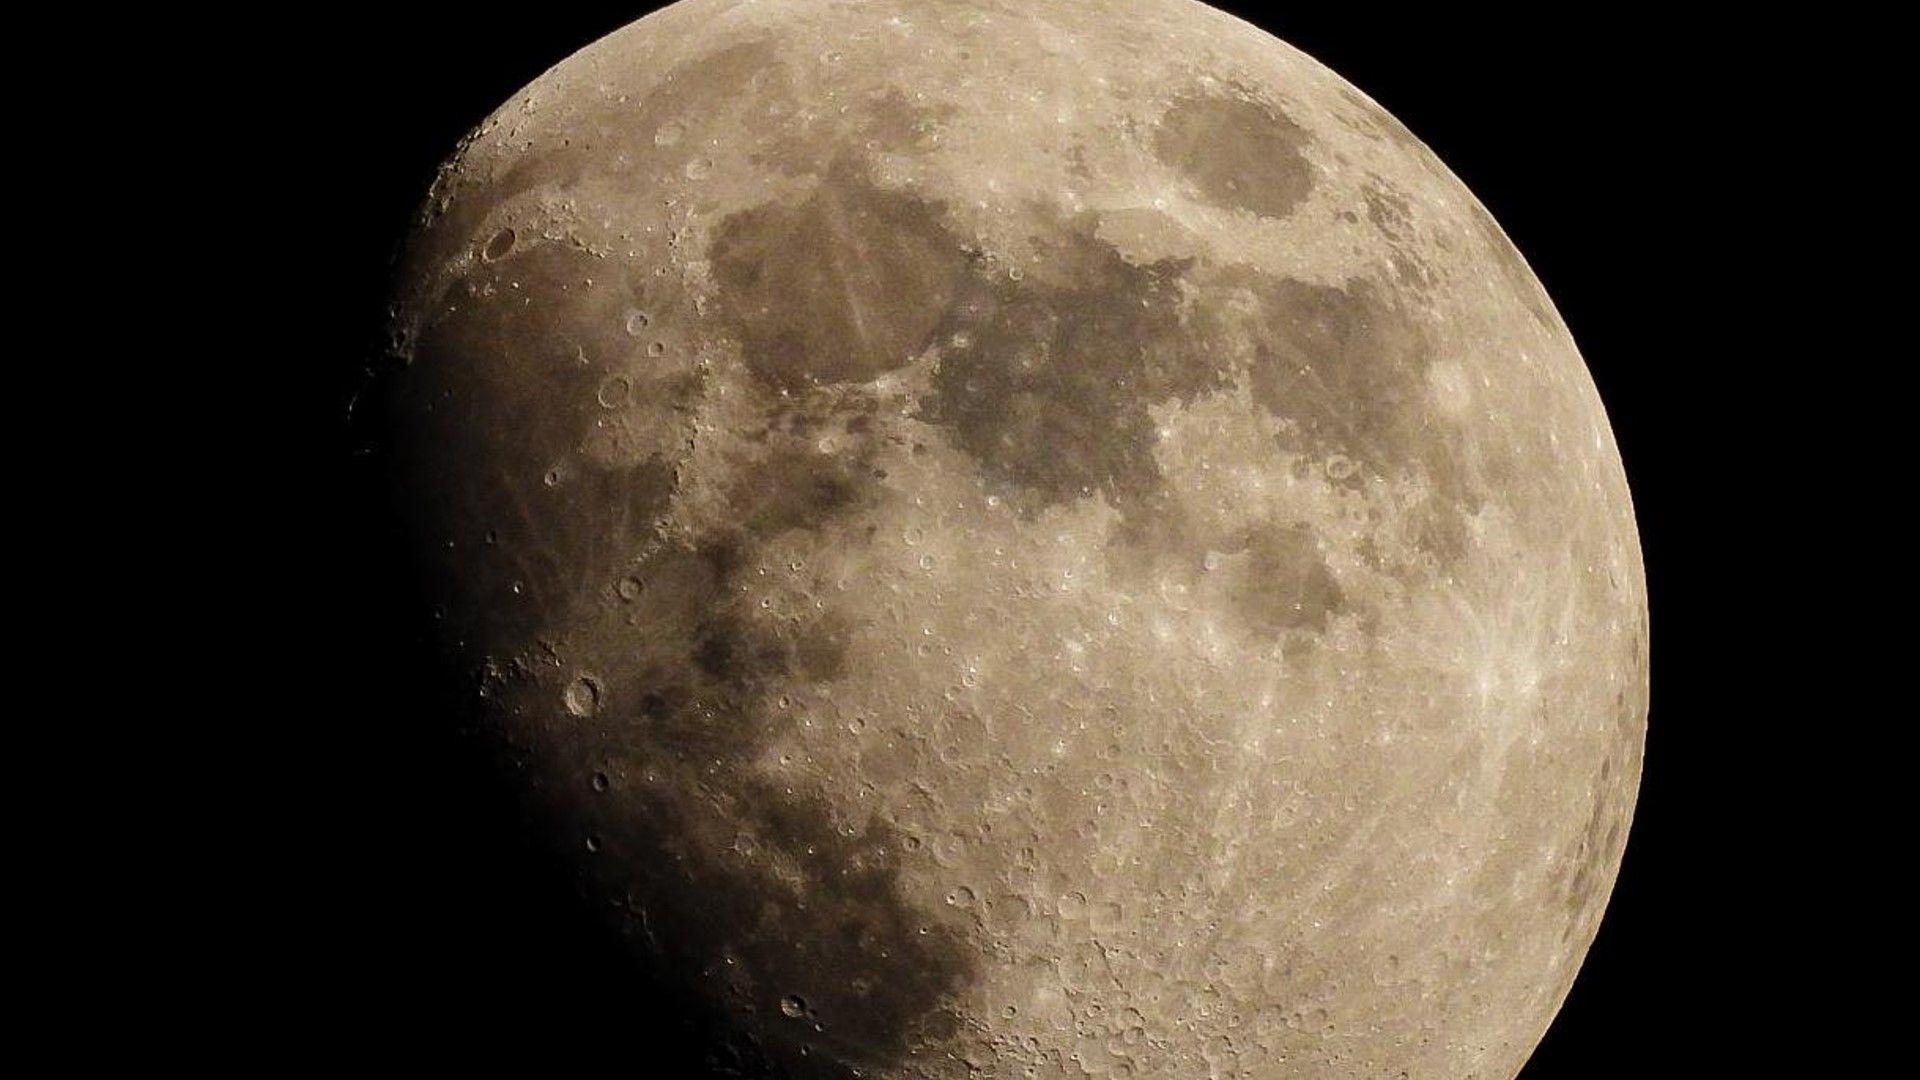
(423, 923)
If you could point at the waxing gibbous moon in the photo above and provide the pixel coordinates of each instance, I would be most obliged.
(1027, 539)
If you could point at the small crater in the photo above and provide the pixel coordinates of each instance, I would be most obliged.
(1388, 210)
(582, 696)
(499, 247)
(614, 391)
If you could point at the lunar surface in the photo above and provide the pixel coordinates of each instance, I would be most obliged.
(1025, 539)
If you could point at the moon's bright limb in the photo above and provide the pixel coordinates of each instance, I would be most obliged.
(1029, 538)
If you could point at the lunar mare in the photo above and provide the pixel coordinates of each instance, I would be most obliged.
(1027, 539)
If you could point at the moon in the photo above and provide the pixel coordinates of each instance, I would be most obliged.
(1026, 539)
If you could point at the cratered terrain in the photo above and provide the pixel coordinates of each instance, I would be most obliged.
(1026, 539)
